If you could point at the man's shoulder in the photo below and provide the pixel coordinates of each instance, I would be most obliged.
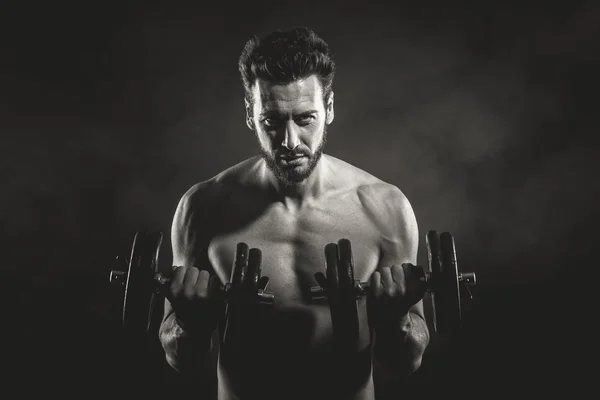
(202, 191)
(384, 201)
(388, 208)
(381, 200)
(214, 190)
(367, 186)
(240, 173)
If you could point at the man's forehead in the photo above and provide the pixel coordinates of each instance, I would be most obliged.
(303, 90)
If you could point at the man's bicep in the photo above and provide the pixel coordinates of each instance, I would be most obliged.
(191, 227)
(396, 224)
(188, 229)
(401, 239)
(399, 230)
(181, 230)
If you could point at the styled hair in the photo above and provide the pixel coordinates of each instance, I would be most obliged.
(286, 56)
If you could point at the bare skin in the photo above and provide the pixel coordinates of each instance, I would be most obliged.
(289, 344)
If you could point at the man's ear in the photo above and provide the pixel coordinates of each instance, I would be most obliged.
(329, 110)
(249, 114)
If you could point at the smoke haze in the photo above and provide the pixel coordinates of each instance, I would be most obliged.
(483, 117)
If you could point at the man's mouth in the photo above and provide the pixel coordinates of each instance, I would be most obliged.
(291, 156)
(293, 160)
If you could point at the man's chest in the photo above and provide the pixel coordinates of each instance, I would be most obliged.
(292, 246)
(295, 333)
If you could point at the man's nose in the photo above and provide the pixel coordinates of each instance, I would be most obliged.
(291, 139)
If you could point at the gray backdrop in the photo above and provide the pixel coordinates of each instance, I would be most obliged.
(482, 115)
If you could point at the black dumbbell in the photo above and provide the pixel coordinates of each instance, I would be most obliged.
(443, 282)
(144, 284)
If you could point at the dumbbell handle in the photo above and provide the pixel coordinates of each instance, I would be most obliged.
(362, 288)
(321, 293)
(119, 278)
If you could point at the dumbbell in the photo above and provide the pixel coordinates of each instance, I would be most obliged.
(443, 281)
(144, 284)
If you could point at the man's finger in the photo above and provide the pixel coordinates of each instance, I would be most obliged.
(399, 274)
(375, 283)
(415, 289)
(386, 278)
(189, 282)
(177, 279)
(202, 283)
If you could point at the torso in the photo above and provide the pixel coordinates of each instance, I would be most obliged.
(294, 335)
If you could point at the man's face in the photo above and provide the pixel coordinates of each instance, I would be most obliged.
(290, 122)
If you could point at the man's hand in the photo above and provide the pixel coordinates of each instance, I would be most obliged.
(196, 299)
(394, 290)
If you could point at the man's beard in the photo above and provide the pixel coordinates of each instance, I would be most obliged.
(292, 175)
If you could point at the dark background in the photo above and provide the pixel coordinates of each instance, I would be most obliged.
(482, 113)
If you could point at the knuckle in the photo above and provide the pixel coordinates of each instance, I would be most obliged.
(189, 292)
(203, 278)
(377, 289)
(179, 272)
(175, 290)
(172, 292)
(192, 273)
(401, 291)
(200, 290)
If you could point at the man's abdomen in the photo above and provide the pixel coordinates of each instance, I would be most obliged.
(288, 353)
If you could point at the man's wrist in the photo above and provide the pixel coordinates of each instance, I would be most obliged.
(395, 346)
(393, 330)
(194, 329)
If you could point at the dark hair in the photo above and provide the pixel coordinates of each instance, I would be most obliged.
(286, 56)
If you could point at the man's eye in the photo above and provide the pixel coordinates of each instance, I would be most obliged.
(270, 121)
(306, 120)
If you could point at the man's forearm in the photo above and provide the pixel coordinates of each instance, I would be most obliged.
(400, 348)
(185, 351)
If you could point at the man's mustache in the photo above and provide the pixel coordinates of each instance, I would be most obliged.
(285, 154)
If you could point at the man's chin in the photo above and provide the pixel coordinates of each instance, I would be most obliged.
(291, 175)
(289, 178)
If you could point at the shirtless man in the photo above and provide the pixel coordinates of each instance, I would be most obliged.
(290, 202)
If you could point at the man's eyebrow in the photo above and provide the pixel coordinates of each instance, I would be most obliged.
(307, 112)
(269, 112)
(277, 113)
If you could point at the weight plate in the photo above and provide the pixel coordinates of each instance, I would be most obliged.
(452, 308)
(434, 261)
(140, 288)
